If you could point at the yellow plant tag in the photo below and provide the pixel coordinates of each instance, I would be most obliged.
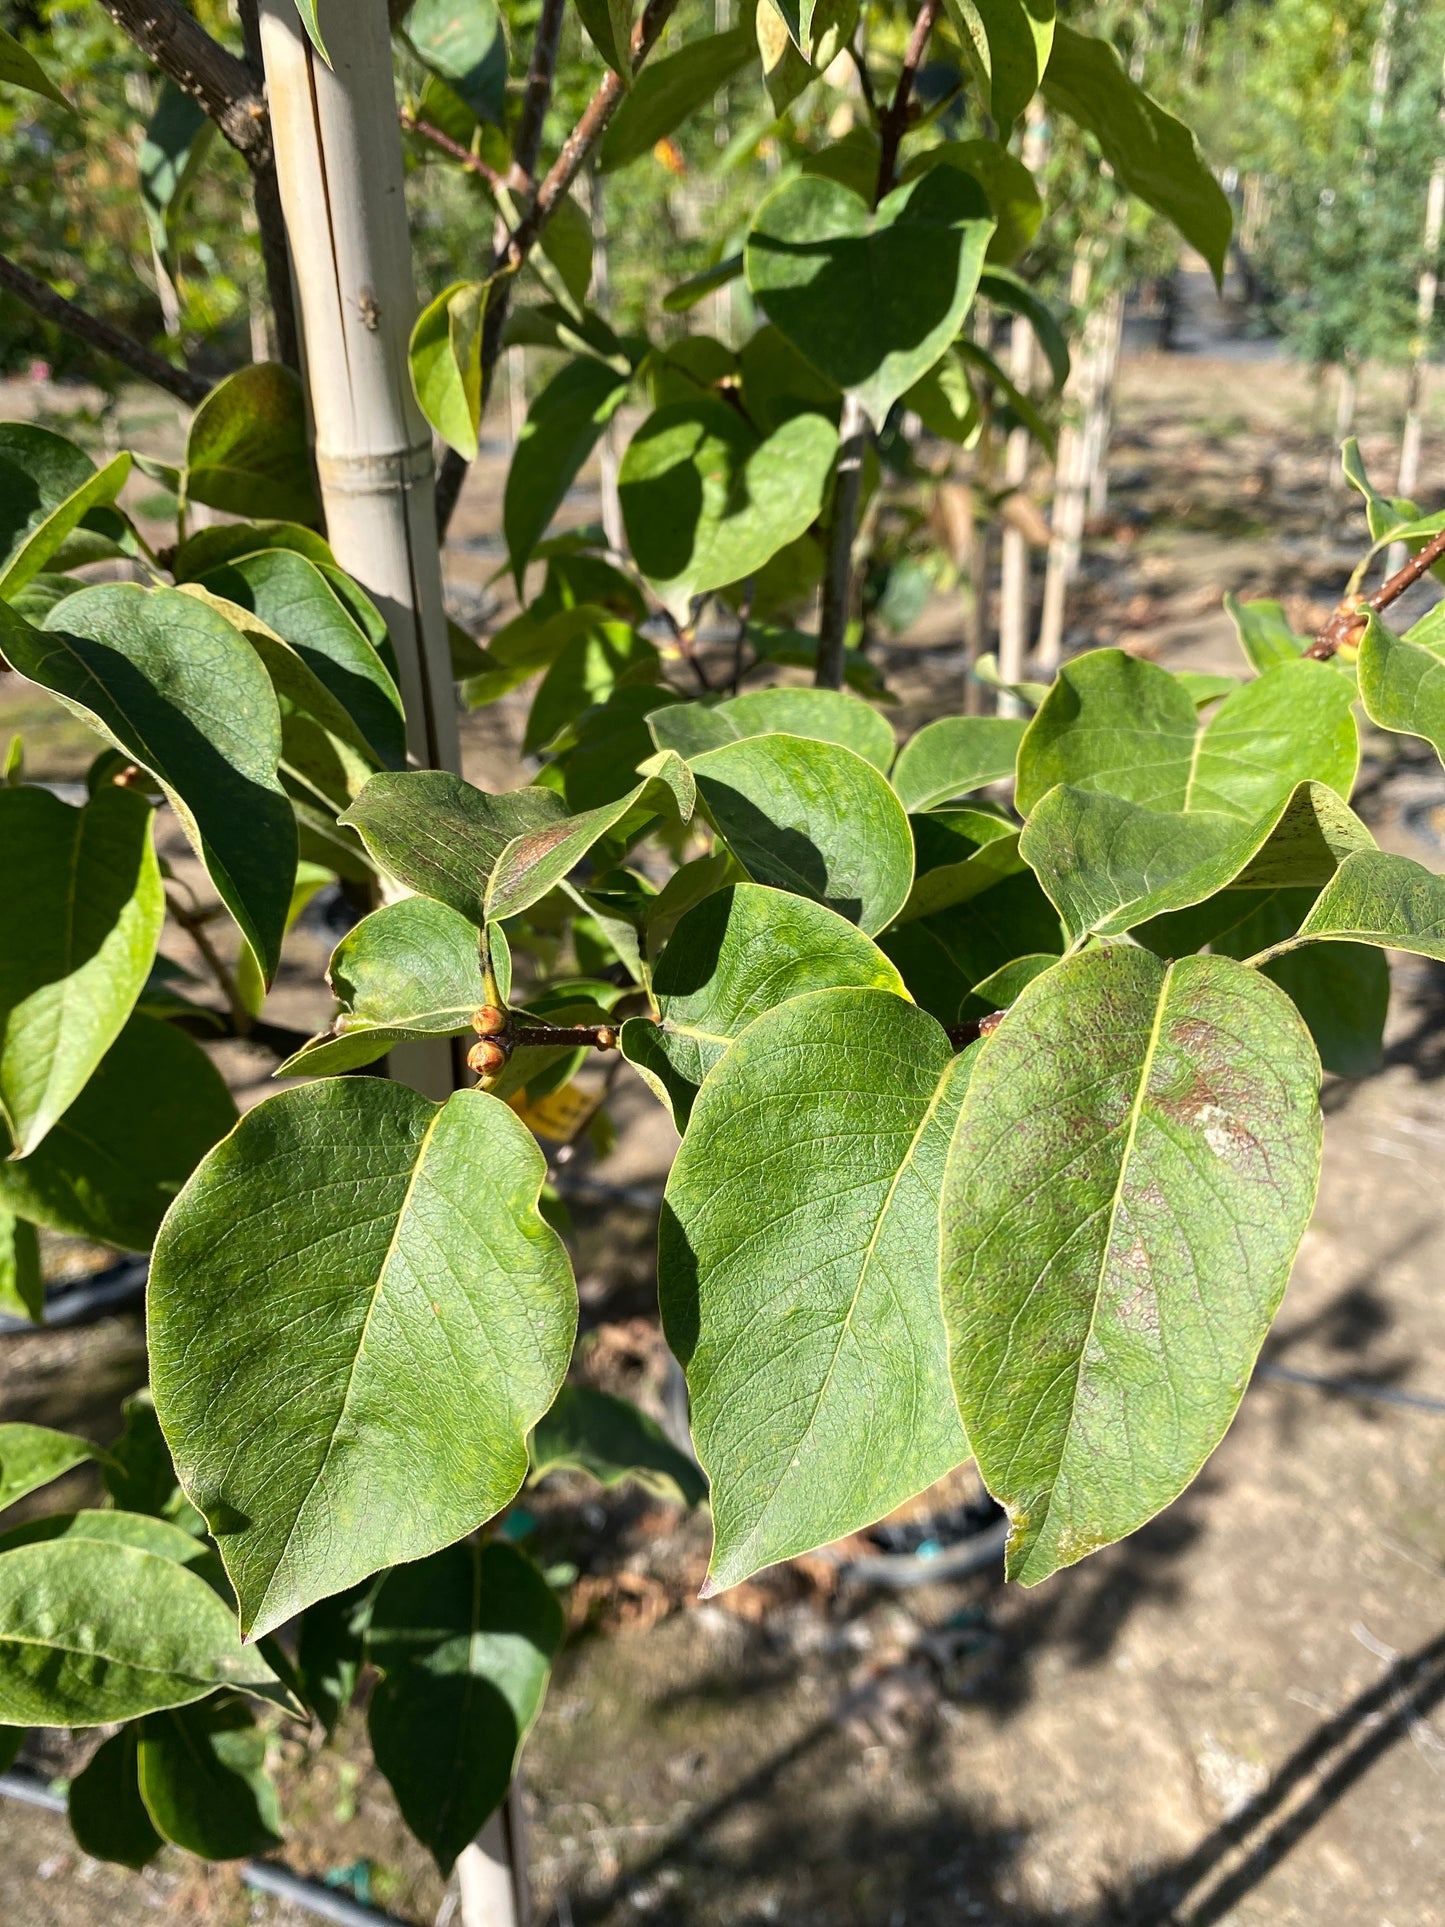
(558, 1116)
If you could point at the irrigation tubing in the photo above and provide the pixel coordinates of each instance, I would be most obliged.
(323, 1903)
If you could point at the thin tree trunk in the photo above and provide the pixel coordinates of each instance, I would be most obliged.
(607, 457)
(1426, 293)
(837, 597)
(1066, 543)
(1013, 616)
(339, 167)
(1013, 599)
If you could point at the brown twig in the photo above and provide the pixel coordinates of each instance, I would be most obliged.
(512, 253)
(893, 121)
(962, 1035)
(100, 334)
(499, 1034)
(270, 220)
(473, 163)
(1348, 622)
(223, 86)
(538, 96)
(194, 926)
(865, 80)
(231, 93)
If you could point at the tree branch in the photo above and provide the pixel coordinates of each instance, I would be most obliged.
(1347, 623)
(463, 156)
(222, 85)
(99, 334)
(270, 221)
(511, 255)
(893, 122)
(538, 97)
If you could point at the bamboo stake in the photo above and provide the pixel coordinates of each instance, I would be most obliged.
(339, 165)
(338, 156)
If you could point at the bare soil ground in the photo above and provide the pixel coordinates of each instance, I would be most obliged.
(1225, 1719)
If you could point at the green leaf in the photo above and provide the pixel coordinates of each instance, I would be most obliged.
(944, 957)
(1010, 187)
(777, 383)
(609, 28)
(669, 89)
(47, 487)
(611, 1441)
(959, 855)
(1007, 43)
(687, 294)
(797, 1269)
(1375, 898)
(203, 1780)
(738, 953)
(307, 11)
(945, 403)
(812, 818)
(247, 450)
(871, 299)
(786, 71)
(20, 68)
(311, 878)
(562, 428)
(135, 1529)
(178, 690)
(822, 715)
(611, 741)
(1117, 724)
(33, 1455)
(463, 41)
(1402, 685)
(411, 969)
(207, 549)
(385, 1318)
(707, 503)
(139, 1475)
(329, 1651)
(587, 670)
(820, 29)
(1109, 865)
(566, 244)
(1264, 632)
(116, 1159)
(107, 1814)
(22, 1283)
(1012, 292)
(956, 754)
(1153, 155)
(297, 602)
(93, 1631)
(73, 964)
(171, 155)
(1133, 1168)
(446, 364)
(465, 1641)
(533, 863)
(442, 837)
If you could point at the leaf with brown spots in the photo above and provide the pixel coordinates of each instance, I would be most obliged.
(1133, 1168)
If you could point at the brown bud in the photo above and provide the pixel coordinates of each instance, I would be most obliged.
(486, 1058)
(991, 1022)
(606, 1039)
(489, 1021)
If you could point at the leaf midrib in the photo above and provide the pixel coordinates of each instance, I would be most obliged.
(1136, 1111)
(375, 1298)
